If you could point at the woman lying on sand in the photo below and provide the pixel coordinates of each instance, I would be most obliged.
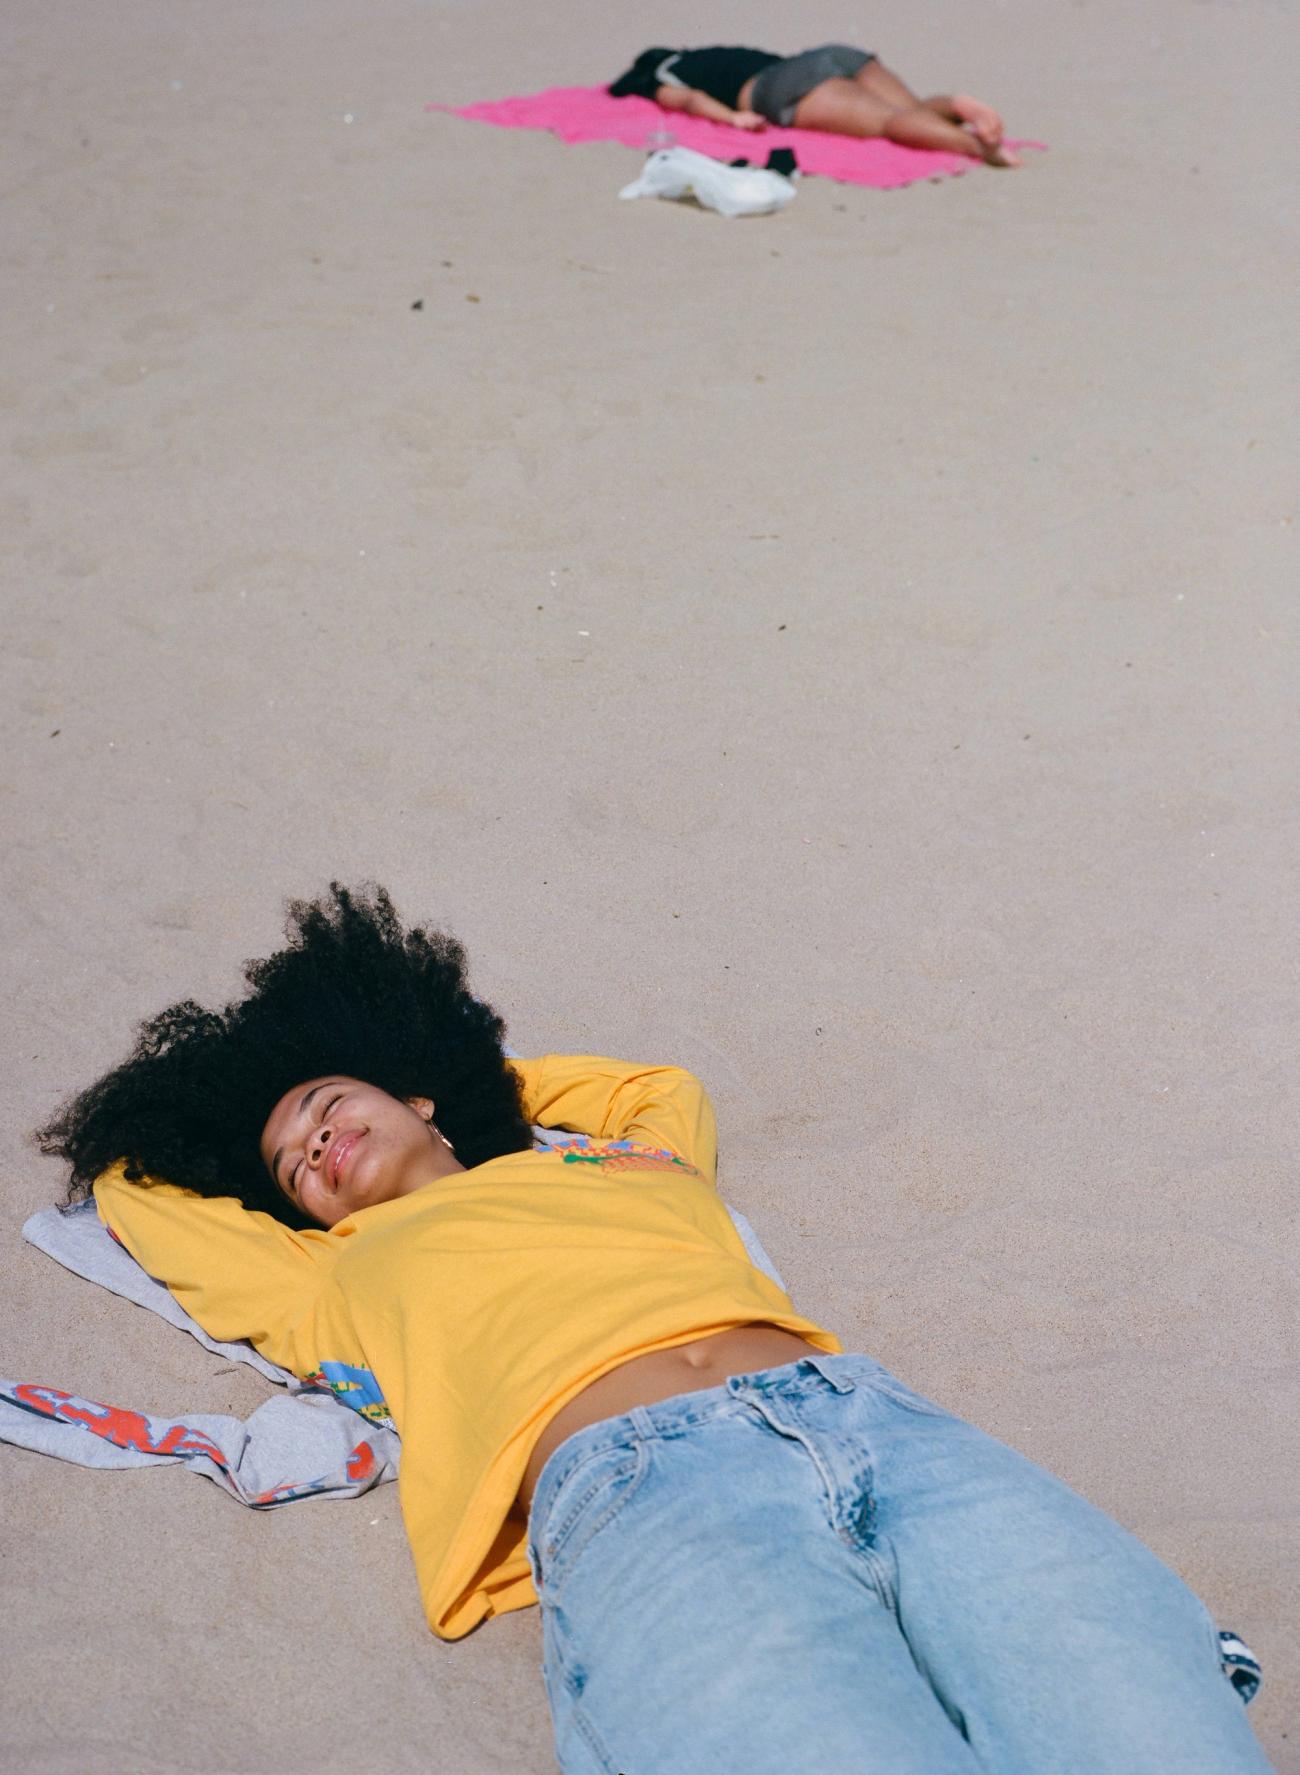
(752, 1552)
(847, 91)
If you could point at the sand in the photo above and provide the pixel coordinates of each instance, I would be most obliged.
(851, 653)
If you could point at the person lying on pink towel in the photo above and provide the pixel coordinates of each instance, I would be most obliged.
(837, 88)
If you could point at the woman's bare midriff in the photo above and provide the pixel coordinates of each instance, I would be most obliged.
(661, 1374)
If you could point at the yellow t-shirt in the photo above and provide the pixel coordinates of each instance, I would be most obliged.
(469, 1312)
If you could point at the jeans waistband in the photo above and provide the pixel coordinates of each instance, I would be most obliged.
(673, 1416)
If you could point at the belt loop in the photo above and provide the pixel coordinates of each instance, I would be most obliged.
(821, 1365)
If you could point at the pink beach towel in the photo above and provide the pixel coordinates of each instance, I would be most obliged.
(589, 114)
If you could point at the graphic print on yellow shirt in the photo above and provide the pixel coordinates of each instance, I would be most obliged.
(475, 1308)
(619, 1155)
(356, 1388)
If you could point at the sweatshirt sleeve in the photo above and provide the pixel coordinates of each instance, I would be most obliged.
(241, 1274)
(612, 1100)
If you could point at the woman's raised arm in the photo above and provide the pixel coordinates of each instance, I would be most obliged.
(241, 1274)
(614, 1100)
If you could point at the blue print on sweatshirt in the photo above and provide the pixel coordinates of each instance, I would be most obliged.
(356, 1387)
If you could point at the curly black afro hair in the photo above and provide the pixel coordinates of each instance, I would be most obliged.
(352, 992)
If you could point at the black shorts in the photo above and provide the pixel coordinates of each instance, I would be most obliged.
(778, 89)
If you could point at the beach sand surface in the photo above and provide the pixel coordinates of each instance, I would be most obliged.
(851, 653)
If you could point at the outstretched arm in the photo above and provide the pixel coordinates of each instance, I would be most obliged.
(240, 1274)
(699, 104)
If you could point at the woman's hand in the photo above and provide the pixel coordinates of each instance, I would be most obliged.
(748, 120)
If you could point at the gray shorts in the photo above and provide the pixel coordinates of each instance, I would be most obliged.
(778, 89)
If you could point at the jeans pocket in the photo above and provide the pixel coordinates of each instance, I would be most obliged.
(587, 1500)
(893, 1388)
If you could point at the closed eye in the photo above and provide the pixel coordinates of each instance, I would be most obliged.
(291, 1182)
(293, 1175)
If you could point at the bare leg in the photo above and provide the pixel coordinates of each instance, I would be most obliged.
(883, 84)
(922, 127)
(981, 119)
(847, 108)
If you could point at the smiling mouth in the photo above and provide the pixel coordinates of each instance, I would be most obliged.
(340, 1153)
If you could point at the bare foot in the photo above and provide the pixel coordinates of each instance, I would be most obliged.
(1000, 156)
(981, 119)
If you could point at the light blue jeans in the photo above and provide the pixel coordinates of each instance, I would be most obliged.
(814, 1571)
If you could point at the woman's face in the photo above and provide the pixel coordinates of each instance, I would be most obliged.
(334, 1145)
